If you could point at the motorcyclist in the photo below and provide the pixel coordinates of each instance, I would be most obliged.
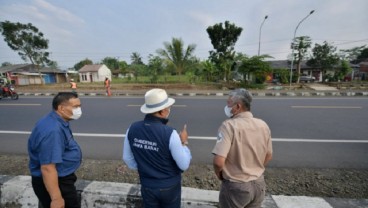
(1, 90)
(7, 90)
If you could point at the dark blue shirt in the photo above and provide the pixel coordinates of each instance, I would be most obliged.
(149, 142)
(52, 142)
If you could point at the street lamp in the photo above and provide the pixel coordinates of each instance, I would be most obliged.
(260, 29)
(292, 53)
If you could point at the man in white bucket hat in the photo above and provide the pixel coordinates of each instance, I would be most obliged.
(158, 152)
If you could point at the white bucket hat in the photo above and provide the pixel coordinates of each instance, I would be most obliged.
(156, 100)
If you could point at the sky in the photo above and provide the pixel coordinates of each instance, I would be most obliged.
(96, 29)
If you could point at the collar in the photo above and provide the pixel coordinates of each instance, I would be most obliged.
(245, 114)
(152, 118)
(58, 118)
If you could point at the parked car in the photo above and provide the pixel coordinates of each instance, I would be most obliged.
(307, 78)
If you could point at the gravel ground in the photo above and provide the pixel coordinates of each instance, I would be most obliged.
(341, 183)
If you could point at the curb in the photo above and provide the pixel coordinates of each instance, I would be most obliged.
(220, 94)
(16, 191)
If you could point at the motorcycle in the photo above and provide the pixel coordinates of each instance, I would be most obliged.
(8, 91)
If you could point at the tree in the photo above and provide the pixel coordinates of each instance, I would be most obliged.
(111, 63)
(209, 70)
(193, 71)
(255, 65)
(353, 54)
(300, 45)
(324, 57)
(53, 64)
(342, 71)
(363, 56)
(28, 41)
(223, 39)
(123, 66)
(6, 64)
(155, 67)
(137, 66)
(175, 54)
(80, 64)
(282, 74)
(136, 58)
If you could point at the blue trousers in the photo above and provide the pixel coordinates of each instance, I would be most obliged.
(169, 197)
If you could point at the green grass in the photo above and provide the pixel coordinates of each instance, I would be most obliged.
(148, 80)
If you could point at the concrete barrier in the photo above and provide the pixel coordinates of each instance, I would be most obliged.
(17, 192)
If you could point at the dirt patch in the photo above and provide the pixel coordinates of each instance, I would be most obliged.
(341, 183)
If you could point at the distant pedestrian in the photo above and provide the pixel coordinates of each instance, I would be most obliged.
(241, 153)
(107, 85)
(158, 152)
(73, 85)
(54, 154)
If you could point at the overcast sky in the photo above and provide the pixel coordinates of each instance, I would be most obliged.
(95, 29)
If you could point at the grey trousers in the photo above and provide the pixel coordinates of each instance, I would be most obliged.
(240, 195)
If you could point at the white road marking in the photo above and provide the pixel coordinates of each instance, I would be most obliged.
(204, 138)
(329, 107)
(18, 104)
(172, 106)
(318, 140)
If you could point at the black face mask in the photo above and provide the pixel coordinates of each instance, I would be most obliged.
(165, 120)
(152, 118)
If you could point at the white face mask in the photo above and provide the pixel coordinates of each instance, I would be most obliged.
(228, 111)
(168, 113)
(77, 113)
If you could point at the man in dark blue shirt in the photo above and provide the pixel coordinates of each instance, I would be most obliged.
(158, 152)
(55, 155)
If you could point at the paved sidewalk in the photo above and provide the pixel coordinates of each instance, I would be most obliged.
(321, 87)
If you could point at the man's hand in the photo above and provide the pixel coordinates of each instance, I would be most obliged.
(184, 135)
(218, 165)
(57, 203)
(50, 179)
(267, 159)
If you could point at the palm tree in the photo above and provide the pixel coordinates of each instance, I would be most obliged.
(137, 66)
(174, 52)
(136, 58)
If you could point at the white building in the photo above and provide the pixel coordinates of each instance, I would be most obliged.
(94, 73)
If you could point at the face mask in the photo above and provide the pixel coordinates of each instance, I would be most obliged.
(77, 113)
(168, 114)
(228, 111)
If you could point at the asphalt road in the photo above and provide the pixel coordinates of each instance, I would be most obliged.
(306, 132)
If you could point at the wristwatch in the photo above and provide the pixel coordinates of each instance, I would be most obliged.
(185, 143)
